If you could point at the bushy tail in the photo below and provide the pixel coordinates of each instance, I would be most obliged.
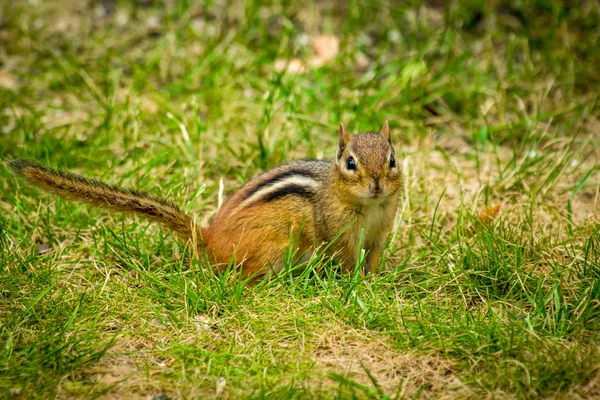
(99, 194)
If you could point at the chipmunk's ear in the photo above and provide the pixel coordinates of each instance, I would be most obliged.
(385, 131)
(344, 139)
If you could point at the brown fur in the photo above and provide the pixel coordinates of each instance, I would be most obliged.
(311, 201)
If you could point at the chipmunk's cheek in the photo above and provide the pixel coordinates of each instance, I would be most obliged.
(363, 192)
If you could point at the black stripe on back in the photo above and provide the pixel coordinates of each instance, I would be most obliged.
(290, 189)
(278, 177)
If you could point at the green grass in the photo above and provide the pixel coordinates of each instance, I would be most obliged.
(493, 103)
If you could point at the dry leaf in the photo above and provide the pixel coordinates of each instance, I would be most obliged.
(148, 105)
(202, 322)
(43, 248)
(361, 60)
(8, 80)
(326, 47)
(221, 382)
(489, 214)
(156, 322)
(294, 66)
(109, 379)
(60, 117)
(153, 23)
(167, 363)
(316, 62)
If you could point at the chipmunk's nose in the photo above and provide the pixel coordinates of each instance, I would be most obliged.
(376, 187)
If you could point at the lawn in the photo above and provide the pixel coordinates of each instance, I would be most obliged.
(490, 285)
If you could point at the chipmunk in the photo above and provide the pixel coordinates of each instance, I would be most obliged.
(316, 201)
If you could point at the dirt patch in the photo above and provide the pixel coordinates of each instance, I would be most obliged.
(407, 374)
(121, 373)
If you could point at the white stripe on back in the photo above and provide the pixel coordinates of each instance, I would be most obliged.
(310, 184)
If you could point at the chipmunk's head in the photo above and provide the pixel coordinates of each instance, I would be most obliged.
(367, 165)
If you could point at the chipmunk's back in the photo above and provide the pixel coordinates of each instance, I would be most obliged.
(267, 214)
(302, 178)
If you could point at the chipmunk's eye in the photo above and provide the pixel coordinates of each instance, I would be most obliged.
(351, 164)
(392, 161)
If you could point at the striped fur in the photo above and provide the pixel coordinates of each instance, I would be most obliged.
(289, 189)
(301, 178)
(284, 176)
(99, 194)
(292, 184)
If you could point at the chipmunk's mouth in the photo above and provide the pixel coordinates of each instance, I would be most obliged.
(370, 199)
(370, 196)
